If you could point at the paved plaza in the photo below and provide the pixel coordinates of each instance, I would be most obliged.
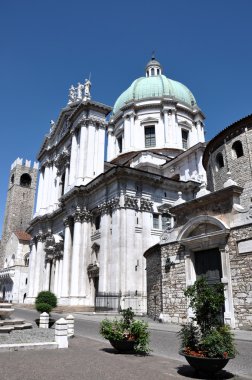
(89, 359)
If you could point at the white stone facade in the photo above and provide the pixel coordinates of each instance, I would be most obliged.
(94, 220)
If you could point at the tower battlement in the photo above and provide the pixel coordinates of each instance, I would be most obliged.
(27, 163)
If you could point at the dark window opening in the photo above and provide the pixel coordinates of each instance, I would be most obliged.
(152, 72)
(165, 221)
(25, 180)
(237, 149)
(26, 281)
(150, 138)
(185, 135)
(97, 222)
(219, 161)
(119, 142)
(12, 178)
(157, 71)
(155, 220)
(63, 177)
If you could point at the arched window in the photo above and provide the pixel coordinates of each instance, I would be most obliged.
(237, 149)
(25, 180)
(219, 161)
(152, 72)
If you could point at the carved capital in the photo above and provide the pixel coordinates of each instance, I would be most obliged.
(86, 215)
(145, 205)
(66, 221)
(40, 238)
(130, 202)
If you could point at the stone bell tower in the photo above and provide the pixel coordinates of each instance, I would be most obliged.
(20, 200)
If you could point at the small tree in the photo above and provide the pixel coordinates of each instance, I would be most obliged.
(206, 335)
(207, 302)
(45, 301)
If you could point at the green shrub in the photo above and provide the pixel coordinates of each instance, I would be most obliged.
(47, 297)
(43, 307)
(127, 328)
(218, 343)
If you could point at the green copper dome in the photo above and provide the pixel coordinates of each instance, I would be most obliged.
(154, 86)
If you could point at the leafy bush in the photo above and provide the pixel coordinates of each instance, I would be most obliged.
(45, 301)
(207, 336)
(43, 307)
(218, 343)
(127, 329)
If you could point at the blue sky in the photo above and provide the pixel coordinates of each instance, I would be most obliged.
(48, 45)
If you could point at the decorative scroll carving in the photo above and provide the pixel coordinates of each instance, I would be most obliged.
(110, 205)
(62, 160)
(54, 246)
(145, 205)
(131, 202)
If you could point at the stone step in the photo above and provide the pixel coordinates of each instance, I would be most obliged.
(23, 326)
(5, 305)
(13, 321)
(6, 329)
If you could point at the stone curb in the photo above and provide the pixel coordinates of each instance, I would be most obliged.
(27, 346)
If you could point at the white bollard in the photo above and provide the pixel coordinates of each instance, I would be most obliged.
(61, 333)
(70, 325)
(44, 321)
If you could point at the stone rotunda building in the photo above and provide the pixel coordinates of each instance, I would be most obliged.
(94, 220)
(212, 236)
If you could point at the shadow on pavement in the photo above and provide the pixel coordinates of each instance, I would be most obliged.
(188, 371)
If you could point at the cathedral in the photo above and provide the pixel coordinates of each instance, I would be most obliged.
(133, 205)
(94, 219)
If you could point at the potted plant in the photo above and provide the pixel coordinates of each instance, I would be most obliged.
(206, 342)
(45, 302)
(126, 334)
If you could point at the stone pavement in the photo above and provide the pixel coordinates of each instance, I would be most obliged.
(92, 360)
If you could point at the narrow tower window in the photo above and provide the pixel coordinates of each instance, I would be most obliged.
(155, 220)
(219, 161)
(237, 149)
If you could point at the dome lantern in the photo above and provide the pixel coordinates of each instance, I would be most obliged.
(153, 67)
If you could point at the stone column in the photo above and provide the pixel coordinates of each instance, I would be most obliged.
(66, 261)
(132, 141)
(45, 186)
(66, 178)
(81, 157)
(56, 277)
(226, 280)
(111, 144)
(126, 134)
(166, 127)
(60, 276)
(74, 291)
(84, 255)
(38, 265)
(105, 248)
(47, 275)
(73, 159)
(40, 190)
(32, 261)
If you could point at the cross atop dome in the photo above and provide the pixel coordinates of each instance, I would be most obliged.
(153, 67)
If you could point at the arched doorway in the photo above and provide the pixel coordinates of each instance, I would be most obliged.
(204, 239)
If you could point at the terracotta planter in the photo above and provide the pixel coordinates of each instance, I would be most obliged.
(123, 345)
(206, 365)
